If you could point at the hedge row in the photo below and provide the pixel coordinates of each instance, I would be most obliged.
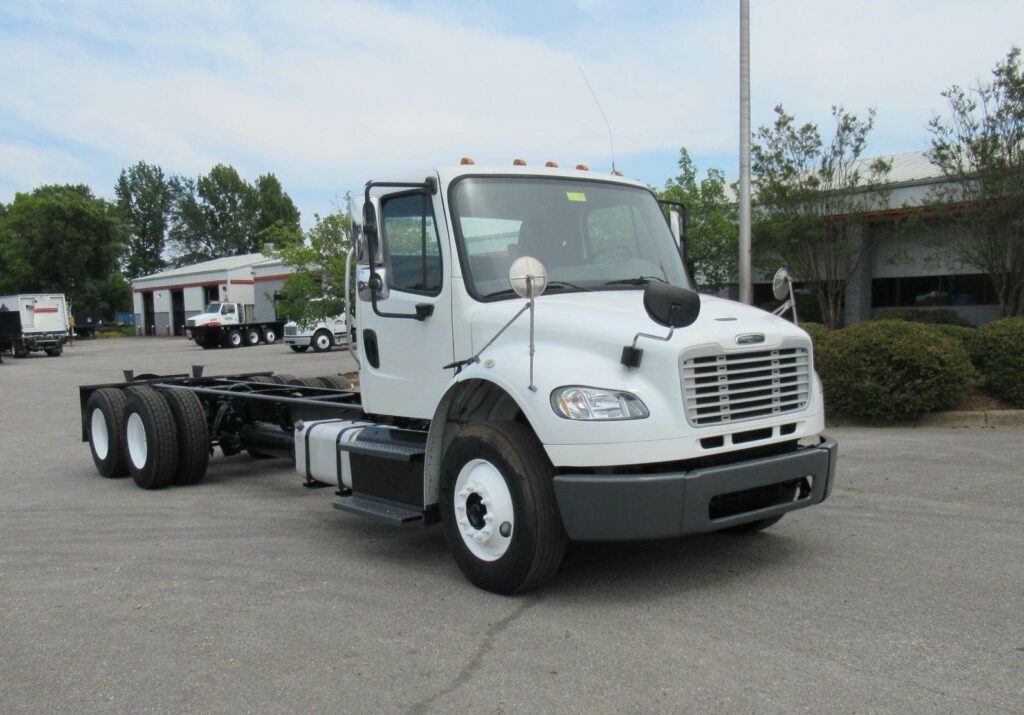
(888, 370)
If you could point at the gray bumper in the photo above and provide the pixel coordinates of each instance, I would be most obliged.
(623, 507)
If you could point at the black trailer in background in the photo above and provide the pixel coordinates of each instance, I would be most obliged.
(10, 329)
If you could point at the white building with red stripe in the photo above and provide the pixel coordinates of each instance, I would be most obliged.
(163, 301)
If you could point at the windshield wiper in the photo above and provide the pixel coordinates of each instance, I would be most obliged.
(638, 281)
(552, 285)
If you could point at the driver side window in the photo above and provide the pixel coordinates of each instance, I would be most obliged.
(412, 252)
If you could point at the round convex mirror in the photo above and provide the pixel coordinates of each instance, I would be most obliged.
(780, 284)
(527, 272)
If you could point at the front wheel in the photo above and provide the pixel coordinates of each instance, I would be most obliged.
(498, 508)
(323, 341)
(299, 348)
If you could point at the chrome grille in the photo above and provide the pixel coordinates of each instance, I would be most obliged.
(291, 330)
(721, 387)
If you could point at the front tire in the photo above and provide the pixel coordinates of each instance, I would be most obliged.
(498, 508)
(322, 341)
(151, 438)
(299, 348)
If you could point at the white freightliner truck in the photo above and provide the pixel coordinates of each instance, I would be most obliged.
(534, 368)
(321, 335)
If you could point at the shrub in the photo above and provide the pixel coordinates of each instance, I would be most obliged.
(965, 336)
(893, 370)
(998, 351)
(941, 316)
(819, 334)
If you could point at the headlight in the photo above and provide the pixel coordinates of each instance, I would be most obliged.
(592, 403)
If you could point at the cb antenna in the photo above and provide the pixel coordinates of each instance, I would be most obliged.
(611, 143)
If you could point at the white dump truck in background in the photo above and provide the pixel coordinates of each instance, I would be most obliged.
(231, 325)
(321, 335)
(534, 366)
(44, 323)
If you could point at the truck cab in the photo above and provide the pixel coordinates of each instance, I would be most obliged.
(218, 313)
(321, 335)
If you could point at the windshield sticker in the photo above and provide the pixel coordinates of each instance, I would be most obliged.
(575, 196)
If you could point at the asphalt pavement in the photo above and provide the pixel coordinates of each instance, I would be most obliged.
(249, 593)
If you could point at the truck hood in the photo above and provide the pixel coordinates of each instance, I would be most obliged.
(202, 319)
(599, 320)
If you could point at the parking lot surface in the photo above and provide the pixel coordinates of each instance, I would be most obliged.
(248, 593)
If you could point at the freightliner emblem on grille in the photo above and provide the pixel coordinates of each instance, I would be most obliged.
(750, 339)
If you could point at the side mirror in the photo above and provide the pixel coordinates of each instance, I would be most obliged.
(781, 284)
(367, 285)
(675, 224)
(670, 305)
(782, 289)
(528, 277)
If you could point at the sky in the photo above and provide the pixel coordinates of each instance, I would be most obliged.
(329, 94)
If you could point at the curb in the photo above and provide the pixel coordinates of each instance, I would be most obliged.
(986, 418)
(960, 419)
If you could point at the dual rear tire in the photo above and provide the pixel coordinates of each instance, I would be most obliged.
(158, 438)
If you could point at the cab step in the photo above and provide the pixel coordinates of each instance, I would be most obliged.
(383, 509)
(388, 443)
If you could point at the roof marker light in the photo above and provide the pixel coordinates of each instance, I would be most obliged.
(551, 164)
(466, 161)
(616, 172)
(519, 162)
(582, 167)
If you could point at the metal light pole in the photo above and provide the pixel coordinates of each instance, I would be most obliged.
(746, 289)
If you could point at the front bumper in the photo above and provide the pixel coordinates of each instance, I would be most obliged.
(624, 507)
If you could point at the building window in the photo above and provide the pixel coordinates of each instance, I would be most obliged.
(931, 291)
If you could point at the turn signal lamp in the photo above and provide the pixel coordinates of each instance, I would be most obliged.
(551, 164)
(519, 162)
(582, 167)
(466, 161)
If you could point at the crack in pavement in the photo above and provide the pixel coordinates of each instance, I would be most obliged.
(476, 661)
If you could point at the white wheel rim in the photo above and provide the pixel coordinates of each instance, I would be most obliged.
(271, 336)
(98, 434)
(254, 337)
(484, 514)
(323, 342)
(138, 449)
(236, 339)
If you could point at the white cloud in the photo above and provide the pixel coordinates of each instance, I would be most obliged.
(326, 94)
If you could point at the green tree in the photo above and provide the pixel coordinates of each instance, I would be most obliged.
(317, 290)
(979, 147)
(221, 214)
(712, 233)
(812, 198)
(62, 239)
(145, 198)
(274, 207)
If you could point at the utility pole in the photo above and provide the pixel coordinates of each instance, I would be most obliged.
(746, 289)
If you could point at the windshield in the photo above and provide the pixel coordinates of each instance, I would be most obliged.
(213, 308)
(590, 235)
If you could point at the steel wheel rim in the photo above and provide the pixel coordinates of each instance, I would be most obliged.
(98, 434)
(323, 342)
(484, 514)
(270, 336)
(236, 339)
(138, 447)
(254, 337)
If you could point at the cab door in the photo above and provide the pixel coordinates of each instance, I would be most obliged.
(406, 339)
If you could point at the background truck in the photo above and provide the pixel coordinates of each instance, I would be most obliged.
(534, 368)
(231, 325)
(321, 335)
(44, 323)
